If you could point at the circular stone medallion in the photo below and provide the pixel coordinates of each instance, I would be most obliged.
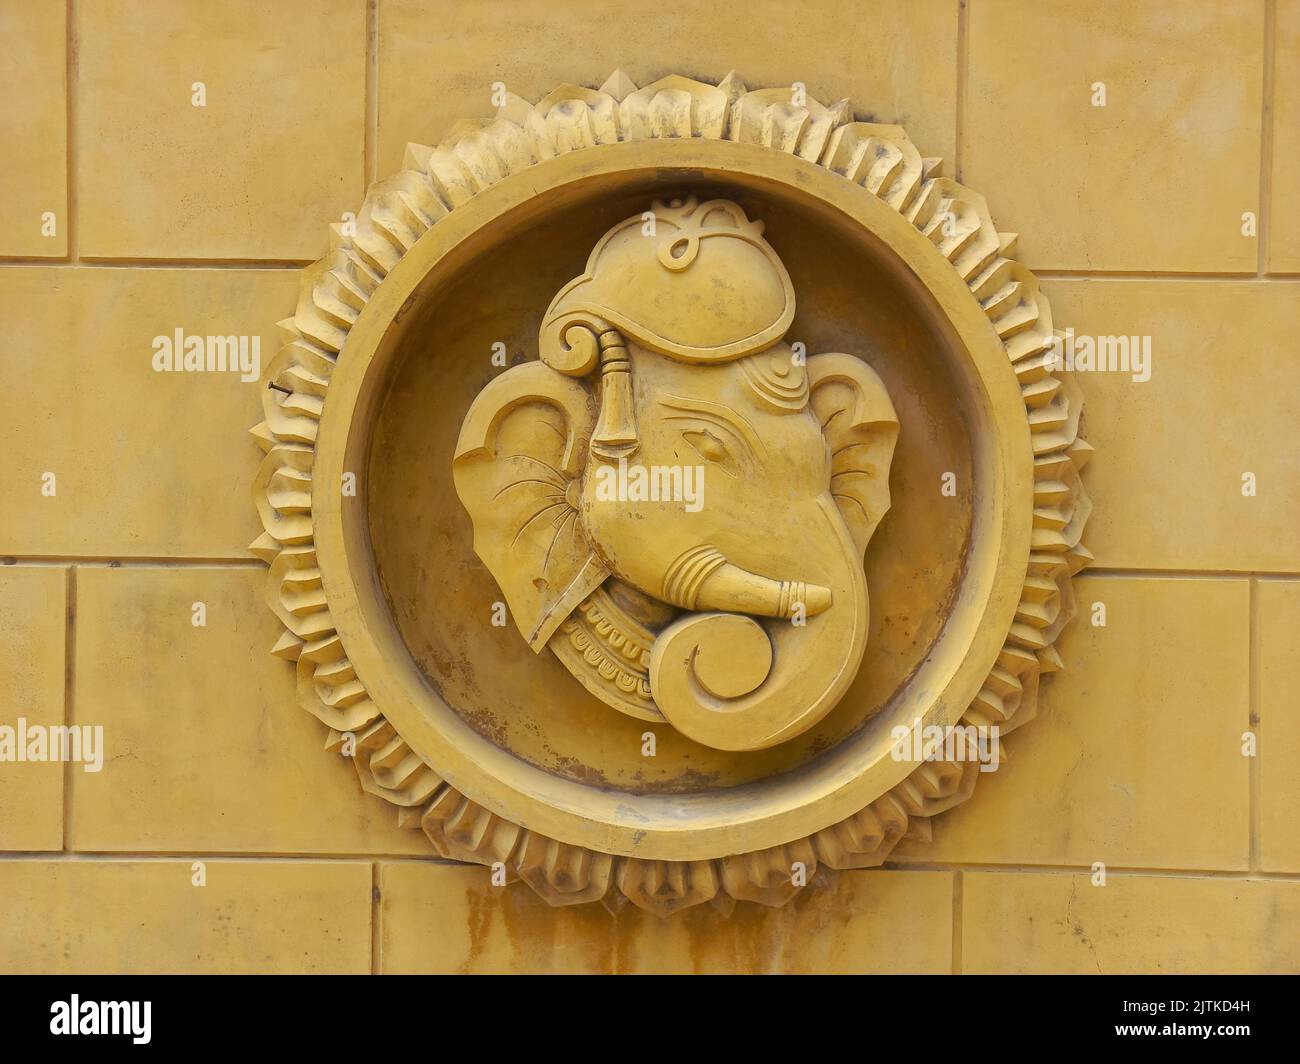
(652, 475)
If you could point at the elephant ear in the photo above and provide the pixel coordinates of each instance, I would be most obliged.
(861, 429)
(522, 446)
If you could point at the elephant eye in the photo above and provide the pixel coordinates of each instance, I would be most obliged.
(712, 449)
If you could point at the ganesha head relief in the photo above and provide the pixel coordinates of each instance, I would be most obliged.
(674, 500)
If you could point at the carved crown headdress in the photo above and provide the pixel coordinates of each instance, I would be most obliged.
(650, 278)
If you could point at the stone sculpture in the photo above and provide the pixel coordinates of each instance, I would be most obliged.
(740, 623)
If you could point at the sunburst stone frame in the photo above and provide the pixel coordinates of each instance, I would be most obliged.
(477, 803)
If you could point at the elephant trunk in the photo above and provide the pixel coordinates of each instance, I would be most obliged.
(731, 683)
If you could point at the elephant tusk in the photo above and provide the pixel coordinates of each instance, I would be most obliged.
(703, 579)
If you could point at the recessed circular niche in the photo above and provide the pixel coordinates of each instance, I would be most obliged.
(853, 296)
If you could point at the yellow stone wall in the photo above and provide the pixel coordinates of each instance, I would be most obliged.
(168, 216)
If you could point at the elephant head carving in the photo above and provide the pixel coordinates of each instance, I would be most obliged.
(673, 500)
